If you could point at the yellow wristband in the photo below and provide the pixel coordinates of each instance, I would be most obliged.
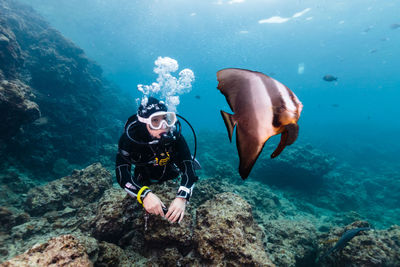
(140, 192)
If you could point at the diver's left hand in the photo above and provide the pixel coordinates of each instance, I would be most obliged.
(176, 210)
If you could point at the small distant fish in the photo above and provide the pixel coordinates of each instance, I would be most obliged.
(368, 29)
(343, 241)
(395, 26)
(335, 105)
(197, 96)
(41, 121)
(329, 78)
(384, 39)
(373, 51)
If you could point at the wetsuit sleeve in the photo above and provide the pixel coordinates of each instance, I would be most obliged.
(185, 164)
(123, 169)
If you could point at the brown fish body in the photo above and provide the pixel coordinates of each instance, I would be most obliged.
(262, 107)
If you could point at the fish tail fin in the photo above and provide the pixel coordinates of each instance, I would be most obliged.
(229, 123)
(288, 136)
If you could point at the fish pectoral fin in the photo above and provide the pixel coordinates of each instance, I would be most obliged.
(229, 123)
(293, 132)
(288, 136)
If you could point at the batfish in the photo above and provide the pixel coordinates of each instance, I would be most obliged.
(262, 107)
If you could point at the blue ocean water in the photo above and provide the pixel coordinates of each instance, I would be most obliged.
(355, 118)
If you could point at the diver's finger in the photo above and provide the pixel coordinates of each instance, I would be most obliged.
(169, 212)
(174, 216)
(171, 215)
(178, 215)
(154, 211)
(182, 214)
(160, 211)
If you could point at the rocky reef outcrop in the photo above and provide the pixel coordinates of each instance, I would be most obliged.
(16, 108)
(291, 242)
(58, 251)
(58, 208)
(110, 225)
(106, 227)
(226, 232)
(297, 167)
(369, 248)
(83, 186)
(56, 107)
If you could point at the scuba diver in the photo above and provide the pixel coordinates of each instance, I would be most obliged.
(154, 144)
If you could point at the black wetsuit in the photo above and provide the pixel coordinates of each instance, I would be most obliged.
(154, 163)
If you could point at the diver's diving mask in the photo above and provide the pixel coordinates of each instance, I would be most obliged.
(159, 120)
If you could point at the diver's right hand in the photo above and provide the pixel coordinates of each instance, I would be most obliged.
(152, 204)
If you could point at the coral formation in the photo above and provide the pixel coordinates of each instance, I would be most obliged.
(225, 232)
(16, 109)
(59, 251)
(84, 186)
(218, 228)
(369, 248)
(54, 100)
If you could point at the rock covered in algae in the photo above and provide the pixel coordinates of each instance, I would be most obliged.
(9, 219)
(226, 233)
(120, 220)
(291, 242)
(16, 106)
(115, 216)
(369, 248)
(161, 233)
(74, 250)
(59, 251)
(76, 190)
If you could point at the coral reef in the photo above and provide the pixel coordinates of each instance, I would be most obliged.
(8, 219)
(225, 232)
(81, 187)
(60, 207)
(120, 220)
(314, 181)
(15, 107)
(59, 251)
(298, 167)
(108, 226)
(13, 186)
(369, 248)
(54, 101)
(115, 218)
(291, 242)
